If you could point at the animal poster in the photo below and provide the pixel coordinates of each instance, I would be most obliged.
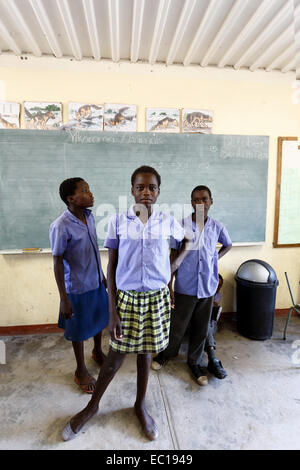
(120, 117)
(197, 120)
(86, 116)
(43, 116)
(9, 115)
(162, 120)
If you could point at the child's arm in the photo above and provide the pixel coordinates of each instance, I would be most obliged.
(173, 256)
(114, 318)
(223, 250)
(65, 304)
(104, 280)
(179, 256)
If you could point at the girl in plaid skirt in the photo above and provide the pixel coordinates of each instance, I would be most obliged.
(139, 301)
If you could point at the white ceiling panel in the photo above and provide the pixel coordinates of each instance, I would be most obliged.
(249, 34)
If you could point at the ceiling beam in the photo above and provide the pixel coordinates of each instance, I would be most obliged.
(9, 39)
(90, 18)
(202, 29)
(46, 27)
(66, 16)
(18, 19)
(230, 20)
(160, 22)
(137, 23)
(114, 28)
(273, 49)
(267, 33)
(182, 25)
(245, 32)
(296, 22)
(285, 55)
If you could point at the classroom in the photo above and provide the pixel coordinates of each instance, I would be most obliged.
(151, 54)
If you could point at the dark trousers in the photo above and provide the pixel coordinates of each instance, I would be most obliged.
(195, 313)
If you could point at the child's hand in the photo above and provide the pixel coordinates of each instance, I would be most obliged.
(172, 297)
(66, 308)
(114, 327)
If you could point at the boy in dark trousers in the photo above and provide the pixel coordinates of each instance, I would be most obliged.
(195, 286)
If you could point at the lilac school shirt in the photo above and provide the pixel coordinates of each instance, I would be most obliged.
(143, 250)
(77, 242)
(198, 273)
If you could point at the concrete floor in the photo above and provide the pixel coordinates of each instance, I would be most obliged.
(256, 407)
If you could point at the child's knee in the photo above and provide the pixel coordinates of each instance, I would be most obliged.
(113, 364)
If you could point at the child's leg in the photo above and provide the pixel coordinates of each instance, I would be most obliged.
(198, 329)
(97, 352)
(106, 374)
(82, 374)
(180, 318)
(214, 364)
(210, 343)
(147, 422)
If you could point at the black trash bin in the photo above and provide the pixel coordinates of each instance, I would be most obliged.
(256, 295)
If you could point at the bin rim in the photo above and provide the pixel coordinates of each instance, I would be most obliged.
(266, 265)
(255, 283)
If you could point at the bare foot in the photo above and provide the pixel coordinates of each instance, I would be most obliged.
(148, 424)
(79, 420)
(98, 357)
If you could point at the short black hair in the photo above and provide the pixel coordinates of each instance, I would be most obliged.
(201, 188)
(145, 169)
(68, 188)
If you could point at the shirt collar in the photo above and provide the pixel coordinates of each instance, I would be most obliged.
(68, 213)
(190, 221)
(132, 215)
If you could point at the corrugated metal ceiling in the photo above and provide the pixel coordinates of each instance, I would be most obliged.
(251, 34)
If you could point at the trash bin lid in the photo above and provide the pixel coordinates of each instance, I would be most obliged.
(257, 271)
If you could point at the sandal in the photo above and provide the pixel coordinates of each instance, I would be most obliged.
(85, 387)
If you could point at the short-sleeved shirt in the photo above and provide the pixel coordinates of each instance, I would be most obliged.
(198, 273)
(77, 243)
(143, 249)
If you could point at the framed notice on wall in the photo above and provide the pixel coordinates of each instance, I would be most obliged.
(287, 209)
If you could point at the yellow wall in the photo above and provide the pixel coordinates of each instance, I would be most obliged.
(243, 103)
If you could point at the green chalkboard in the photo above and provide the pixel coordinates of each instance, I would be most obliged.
(33, 164)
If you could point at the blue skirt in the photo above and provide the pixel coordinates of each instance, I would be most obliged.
(90, 315)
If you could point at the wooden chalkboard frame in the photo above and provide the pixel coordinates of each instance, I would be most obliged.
(278, 192)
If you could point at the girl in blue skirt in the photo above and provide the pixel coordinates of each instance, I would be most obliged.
(77, 267)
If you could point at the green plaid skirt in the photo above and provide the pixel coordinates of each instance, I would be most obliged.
(145, 321)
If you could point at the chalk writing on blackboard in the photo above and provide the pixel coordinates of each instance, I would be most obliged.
(78, 137)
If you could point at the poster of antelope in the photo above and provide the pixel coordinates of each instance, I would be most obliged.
(9, 115)
(86, 116)
(120, 117)
(43, 116)
(162, 120)
(197, 120)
